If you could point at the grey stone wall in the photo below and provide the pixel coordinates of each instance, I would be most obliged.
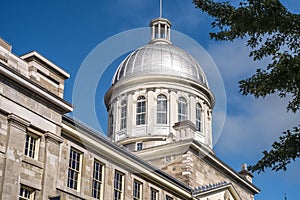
(85, 190)
(195, 171)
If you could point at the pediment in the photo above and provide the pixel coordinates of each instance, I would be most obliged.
(219, 191)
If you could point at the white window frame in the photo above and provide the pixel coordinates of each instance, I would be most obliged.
(32, 143)
(198, 117)
(141, 109)
(137, 190)
(98, 177)
(154, 194)
(169, 197)
(26, 193)
(161, 109)
(182, 109)
(118, 185)
(139, 146)
(76, 170)
(123, 115)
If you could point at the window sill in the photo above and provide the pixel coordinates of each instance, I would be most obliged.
(33, 162)
(71, 192)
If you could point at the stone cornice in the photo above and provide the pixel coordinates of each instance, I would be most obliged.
(30, 85)
(51, 137)
(17, 122)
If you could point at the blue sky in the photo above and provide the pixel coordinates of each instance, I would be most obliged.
(66, 31)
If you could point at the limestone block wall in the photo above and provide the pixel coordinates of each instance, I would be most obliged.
(196, 171)
(13, 61)
(15, 99)
(85, 189)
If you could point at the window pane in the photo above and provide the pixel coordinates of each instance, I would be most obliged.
(74, 167)
(153, 194)
(123, 115)
(141, 110)
(30, 146)
(97, 179)
(161, 111)
(139, 146)
(198, 117)
(26, 193)
(168, 197)
(137, 190)
(182, 109)
(118, 183)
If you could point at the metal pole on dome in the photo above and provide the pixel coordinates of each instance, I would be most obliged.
(160, 9)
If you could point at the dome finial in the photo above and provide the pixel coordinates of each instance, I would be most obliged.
(160, 8)
(161, 28)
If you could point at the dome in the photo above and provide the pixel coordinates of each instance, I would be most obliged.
(160, 58)
(159, 92)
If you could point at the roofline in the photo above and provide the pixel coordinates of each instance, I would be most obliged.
(208, 154)
(94, 138)
(229, 170)
(213, 189)
(48, 62)
(24, 81)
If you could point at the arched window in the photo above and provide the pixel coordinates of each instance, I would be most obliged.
(123, 115)
(198, 117)
(182, 109)
(141, 110)
(161, 109)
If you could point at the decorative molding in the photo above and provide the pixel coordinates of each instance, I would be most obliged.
(51, 137)
(17, 122)
(33, 162)
(30, 85)
(184, 125)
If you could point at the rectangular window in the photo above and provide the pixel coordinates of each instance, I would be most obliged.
(74, 169)
(137, 190)
(168, 197)
(118, 185)
(139, 146)
(97, 180)
(123, 116)
(26, 193)
(141, 110)
(161, 109)
(198, 117)
(182, 109)
(153, 194)
(31, 146)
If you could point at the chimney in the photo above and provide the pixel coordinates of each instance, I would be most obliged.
(5, 45)
(245, 173)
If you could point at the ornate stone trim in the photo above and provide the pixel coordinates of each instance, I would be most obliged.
(17, 122)
(51, 137)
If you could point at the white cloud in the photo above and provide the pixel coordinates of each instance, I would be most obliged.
(251, 125)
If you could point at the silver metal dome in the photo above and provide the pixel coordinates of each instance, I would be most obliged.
(160, 58)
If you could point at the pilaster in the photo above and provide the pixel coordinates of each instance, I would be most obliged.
(13, 156)
(51, 165)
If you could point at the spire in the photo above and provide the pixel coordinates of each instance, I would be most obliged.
(160, 28)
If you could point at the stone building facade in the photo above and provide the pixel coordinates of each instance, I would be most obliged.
(164, 153)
